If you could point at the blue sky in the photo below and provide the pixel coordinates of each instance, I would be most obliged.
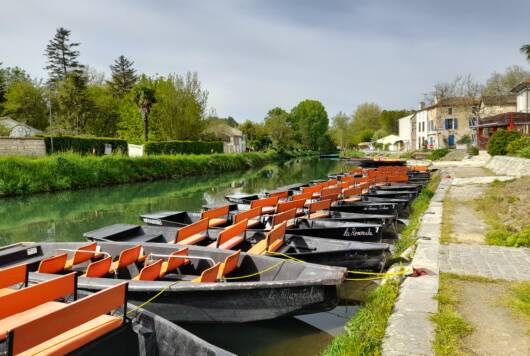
(253, 55)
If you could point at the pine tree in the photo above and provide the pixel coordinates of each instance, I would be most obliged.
(62, 56)
(123, 76)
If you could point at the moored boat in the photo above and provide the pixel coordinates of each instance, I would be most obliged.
(191, 283)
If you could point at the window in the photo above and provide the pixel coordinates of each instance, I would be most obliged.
(451, 124)
(472, 121)
(450, 111)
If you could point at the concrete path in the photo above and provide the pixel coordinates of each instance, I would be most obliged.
(494, 262)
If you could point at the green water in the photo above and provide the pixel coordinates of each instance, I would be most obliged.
(65, 216)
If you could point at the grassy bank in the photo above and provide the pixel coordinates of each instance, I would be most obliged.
(417, 208)
(20, 175)
(365, 331)
(508, 222)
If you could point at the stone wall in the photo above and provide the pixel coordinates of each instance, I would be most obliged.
(22, 146)
(511, 166)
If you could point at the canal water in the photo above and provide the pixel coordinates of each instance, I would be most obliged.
(65, 216)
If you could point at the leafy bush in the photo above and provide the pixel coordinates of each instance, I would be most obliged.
(500, 140)
(464, 140)
(515, 146)
(437, 154)
(186, 147)
(4, 131)
(504, 236)
(472, 150)
(83, 145)
(525, 152)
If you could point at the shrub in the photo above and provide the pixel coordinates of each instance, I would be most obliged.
(499, 141)
(464, 140)
(515, 146)
(525, 152)
(83, 145)
(437, 154)
(186, 147)
(472, 150)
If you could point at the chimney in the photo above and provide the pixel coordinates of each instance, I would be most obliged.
(422, 105)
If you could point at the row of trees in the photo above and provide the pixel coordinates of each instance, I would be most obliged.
(81, 101)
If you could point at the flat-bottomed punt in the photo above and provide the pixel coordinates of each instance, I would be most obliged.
(196, 284)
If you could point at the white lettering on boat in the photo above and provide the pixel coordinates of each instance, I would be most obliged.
(351, 231)
(152, 221)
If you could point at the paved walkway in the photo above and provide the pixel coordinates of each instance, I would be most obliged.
(495, 262)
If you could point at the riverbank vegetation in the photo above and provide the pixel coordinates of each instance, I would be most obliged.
(509, 225)
(365, 331)
(417, 209)
(437, 154)
(19, 175)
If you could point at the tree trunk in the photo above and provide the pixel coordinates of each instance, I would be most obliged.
(144, 113)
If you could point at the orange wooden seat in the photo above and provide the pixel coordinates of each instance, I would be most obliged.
(229, 265)
(298, 205)
(279, 195)
(52, 265)
(127, 257)
(231, 236)
(302, 196)
(250, 215)
(67, 329)
(12, 275)
(218, 216)
(81, 255)
(314, 189)
(193, 233)
(174, 261)
(284, 217)
(150, 272)
(99, 268)
(268, 205)
(272, 242)
(28, 298)
(209, 275)
(319, 209)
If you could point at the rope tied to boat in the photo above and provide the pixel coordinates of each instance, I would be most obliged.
(377, 275)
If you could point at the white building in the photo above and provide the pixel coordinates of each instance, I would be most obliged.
(391, 143)
(522, 91)
(421, 128)
(18, 129)
(405, 132)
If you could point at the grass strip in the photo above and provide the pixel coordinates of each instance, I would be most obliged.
(417, 208)
(518, 299)
(365, 331)
(451, 328)
(22, 175)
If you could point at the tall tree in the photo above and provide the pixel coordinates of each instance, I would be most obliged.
(311, 121)
(340, 129)
(73, 104)
(62, 56)
(279, 129)
(144, 94)
(8, 76)
(502, 83)
(390, 120)
(25, 103)
(525, 49)
(462, 85)
(123, 76)
(366, 117)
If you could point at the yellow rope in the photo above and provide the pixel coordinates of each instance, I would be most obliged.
(379, 275)
(257, 273)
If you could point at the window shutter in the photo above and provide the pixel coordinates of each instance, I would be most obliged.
(455, 123)
(446, 123)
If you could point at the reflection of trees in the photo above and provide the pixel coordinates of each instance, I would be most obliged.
(64, 216)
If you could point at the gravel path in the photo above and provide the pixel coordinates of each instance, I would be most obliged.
(495, 262)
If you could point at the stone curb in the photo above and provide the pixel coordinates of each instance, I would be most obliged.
(409, 330)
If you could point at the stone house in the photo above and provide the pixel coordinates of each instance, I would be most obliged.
(233, 139)
(514, 118)
(445, 122)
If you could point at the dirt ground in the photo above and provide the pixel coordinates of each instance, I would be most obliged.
(497, 331)
(466, 225)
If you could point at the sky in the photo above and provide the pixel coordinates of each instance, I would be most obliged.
(254, 55)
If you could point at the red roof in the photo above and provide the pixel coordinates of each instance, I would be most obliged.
(519, 118)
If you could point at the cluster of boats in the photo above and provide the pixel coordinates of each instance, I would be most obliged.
(260, 256)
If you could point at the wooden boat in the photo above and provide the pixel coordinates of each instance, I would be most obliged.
(55, 317)
(221, 217)
(349, 254)
(198, 284)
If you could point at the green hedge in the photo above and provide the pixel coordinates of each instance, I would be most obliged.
(515, 147)
(83, 145)
(186, 147)
(499, 141)
(438, 154)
